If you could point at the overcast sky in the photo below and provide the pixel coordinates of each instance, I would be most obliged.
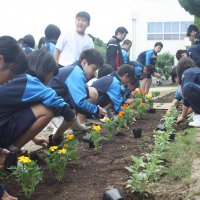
(21, 17)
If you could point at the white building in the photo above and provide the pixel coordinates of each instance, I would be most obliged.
(159, 20)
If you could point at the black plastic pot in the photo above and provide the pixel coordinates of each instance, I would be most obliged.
(86, 138)
(152, 110)
(137, 132)
(161, 127)
(113, 194)
(91, 145)
(171, 137)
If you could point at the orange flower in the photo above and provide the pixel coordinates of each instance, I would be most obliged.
(131, 105)
(120, 114)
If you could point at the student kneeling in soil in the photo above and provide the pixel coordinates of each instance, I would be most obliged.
(26, 105)
(189, 78)
(70, 83)
(109, 87)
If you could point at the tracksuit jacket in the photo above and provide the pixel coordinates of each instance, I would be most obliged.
(24, 91)
(114, 55)
(70, 83)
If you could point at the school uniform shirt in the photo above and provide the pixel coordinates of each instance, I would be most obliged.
(70, 83)
(109, 90)
(125, 55)
(49, 45)
(114, 54)
(24, 91)
(71, 45)
(191, 75)
(147, 57)
(194, 54)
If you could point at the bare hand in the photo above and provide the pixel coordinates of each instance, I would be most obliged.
(102, 111)
(40, 141)
(157, 75)
(4, 152)
(180, 119)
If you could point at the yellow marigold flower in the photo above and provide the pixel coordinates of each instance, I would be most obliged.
(65, 146)
(62, 151)
(120, 114)
(96, 128)
(24, 159)
(53, 148)
(106, 119)
(149, 96)
(70, 136)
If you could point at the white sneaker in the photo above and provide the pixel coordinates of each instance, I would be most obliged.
(196, 122)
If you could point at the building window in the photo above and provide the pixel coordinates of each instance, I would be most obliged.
(167, 30)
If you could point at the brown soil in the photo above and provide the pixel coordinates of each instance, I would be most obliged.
(94, 172)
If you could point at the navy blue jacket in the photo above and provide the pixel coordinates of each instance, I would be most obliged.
(24, 91)
(190, 75)
(109, 90)
(194, 54)
(49, 45)
(147, 57)
(70, 83)
(197, 39)
(114, 55)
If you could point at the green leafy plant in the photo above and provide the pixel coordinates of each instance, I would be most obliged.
(109, 127)
(155, 93)
(57, 161)
(121, 121)
(28, 174)
(95, 136)
(128, 113)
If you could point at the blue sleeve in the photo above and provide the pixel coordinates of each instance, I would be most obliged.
(148, 57)
(125, 56)
(76, 83)
(36, 92)
(177, 95)
(115, 95)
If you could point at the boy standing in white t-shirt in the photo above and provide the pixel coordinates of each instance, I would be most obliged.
(70, 46)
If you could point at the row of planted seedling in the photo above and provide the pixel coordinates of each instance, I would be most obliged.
(29, 174)
(129, 114)
(148, 167)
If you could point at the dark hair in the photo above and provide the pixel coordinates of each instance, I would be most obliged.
(127, 42)
(179, 53)
(105, 70)
(126, 69)
(52, 32)
(174, 75)
(158, 44)
(41, 42)
(150, 68)
(121, 30)
(191, 28)
(184, 64)
(29, 41)
(84, 15)
(14, 57)
(92, 56)
(41, 63)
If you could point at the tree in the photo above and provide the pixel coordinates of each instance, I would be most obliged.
(100, 46)
(164, 64)
(191, 6)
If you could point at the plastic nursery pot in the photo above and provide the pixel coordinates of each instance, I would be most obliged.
(160, 127)
(91, 145)
(171, 137)
(152, 110)
(113, 194)
(137, 132)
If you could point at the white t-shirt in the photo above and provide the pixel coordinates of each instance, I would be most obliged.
(71, 45)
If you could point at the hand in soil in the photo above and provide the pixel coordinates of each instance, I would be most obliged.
(40, 141)
(180, 119)
(6, 196)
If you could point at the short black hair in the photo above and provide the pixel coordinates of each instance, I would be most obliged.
(179, 53)
(150, 68)
(41, 42)
(52, 32)
(14, 57)
(29, 41)
(105, 70)
(184, 64)
(127, 42)
(84, 15)
(191, 28)
(92, 56)
(158, 44)
(41, 63)
(126, 69)
(121, 29)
